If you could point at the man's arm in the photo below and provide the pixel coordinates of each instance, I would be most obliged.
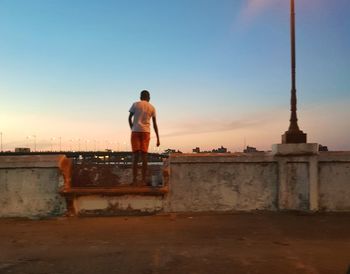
(130, 119)
(155, 126)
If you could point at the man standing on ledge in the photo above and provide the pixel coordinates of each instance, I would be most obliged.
(141, 113)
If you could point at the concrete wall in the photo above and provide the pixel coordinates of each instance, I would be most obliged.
(118, 205)
(334, 181)
(305, 180)
(29, 186)
(281, 180)
(222, 183)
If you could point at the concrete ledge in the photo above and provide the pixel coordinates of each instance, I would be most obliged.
(113, 200)
(97, 205)
(334, 156)
(294, 149)
(29, 185)
(32, 161)
(296, 177)
(221, 158)
(117, 191)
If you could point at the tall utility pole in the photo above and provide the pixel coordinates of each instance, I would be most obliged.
(294, 134)
(52, 139)
(1, 141)
(34, 142)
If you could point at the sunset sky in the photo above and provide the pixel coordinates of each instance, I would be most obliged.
(218, 71)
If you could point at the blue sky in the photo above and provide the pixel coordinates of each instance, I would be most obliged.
(218, 71)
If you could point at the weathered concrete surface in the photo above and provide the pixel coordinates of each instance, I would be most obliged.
(108, 190)
(295, 149)
(97, 175)
(334, 186)
(297, 186)
(118, 205)
(221, 183)
(264, 181)
(172, 244)
(29, 186)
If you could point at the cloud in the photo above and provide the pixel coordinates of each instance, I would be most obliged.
(205, 126)
(253, 8)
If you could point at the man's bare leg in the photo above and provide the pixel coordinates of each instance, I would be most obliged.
(144, 167)
(135, 160)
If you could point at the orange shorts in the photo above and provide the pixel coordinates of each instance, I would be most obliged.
(140, 141)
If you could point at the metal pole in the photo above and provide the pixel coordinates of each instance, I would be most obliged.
(293, 127)
(34, 143)
(1, 141)
(294, 134)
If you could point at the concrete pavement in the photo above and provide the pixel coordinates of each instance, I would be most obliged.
(229, 243)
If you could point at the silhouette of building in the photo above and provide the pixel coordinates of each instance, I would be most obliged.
(169, 151)
(220, 150)
(22, 149)
(196, 150)
(322, 148)
(250, 150)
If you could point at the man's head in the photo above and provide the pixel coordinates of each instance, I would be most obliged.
(145, 96)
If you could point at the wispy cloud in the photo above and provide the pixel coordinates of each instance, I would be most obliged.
(253, 8)
(205, 126)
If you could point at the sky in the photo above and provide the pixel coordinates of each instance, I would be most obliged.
(218, 72)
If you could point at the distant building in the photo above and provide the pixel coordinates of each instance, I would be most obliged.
(22, 149)
(250, 149)
(169, 150)
(322, 148)
(196, 150)
(220, 150)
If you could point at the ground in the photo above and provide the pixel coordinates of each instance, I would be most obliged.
(228, 243)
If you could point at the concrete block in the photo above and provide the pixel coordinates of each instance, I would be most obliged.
(297, 186)
(29, 186)
(117, 205)
(294, 149)
(334, 186)
(211, 185)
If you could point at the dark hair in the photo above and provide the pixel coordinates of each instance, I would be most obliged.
(145, 95)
